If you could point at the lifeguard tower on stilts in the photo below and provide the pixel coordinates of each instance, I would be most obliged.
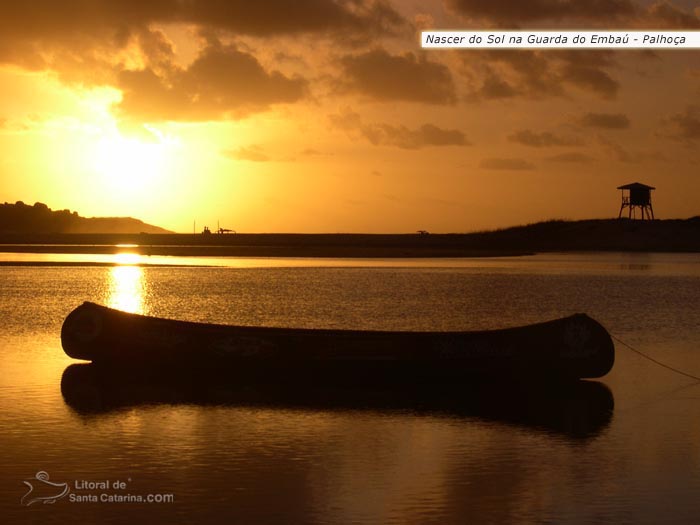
(636, 196)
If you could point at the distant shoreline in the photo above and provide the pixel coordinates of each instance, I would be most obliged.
(95, 264)
(341, 251)
(673, 235)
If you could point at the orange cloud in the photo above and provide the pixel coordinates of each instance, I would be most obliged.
(663, 15)
(516, 11)
(222, 81)
(539, 74)
(606, 120)
(94, 42)
(531, 138)
(684, 126)
(381, 134)
(407, 77)
(253, 153)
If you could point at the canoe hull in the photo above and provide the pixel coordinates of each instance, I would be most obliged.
(572, 347)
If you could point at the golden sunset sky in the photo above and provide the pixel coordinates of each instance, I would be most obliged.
(322, 116)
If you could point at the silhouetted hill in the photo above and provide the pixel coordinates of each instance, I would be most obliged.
(39, 218)
(668, 235)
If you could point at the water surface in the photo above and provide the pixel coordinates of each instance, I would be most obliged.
(327, 457)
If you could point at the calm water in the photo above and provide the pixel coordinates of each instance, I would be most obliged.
(245, 458)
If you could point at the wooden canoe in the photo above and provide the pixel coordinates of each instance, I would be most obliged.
(567, 348)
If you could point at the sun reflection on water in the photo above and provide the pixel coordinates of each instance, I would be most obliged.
(127, 258)
(126, 289)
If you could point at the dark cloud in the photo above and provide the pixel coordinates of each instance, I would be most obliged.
(596, 13)
(283, 17)
(586, 70)
(684, 126)
(606, 120)
(573, 157)
(156, 48)
(393, 78)
(423, 21)
(541, 74)
(663, 15)
(222, 81)
(510, 12)
(47, 20)
(381, 134)
(506, 164)
(528, 73)
(495, 87)
(253, 153)
(527, 137)
(591, 79)
(403, 137)
(87, 41)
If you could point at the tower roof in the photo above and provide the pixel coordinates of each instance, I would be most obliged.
(636, 186)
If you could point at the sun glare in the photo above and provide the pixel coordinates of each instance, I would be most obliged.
(130, 165)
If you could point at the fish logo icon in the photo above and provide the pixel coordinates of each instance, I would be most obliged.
(43, 490)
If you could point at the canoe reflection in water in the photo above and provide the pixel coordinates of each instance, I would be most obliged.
(574, 409)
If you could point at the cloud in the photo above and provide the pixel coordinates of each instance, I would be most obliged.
(527, 137)
(495, 87)
(408, 77)
(509, 73)
(347, 120)
(538, 74)
(605, 120)
(684, 126)
(423, 21)
(616, 151)
(506, 164)
(619, 153)
(601, 13)
(573, 157)
(253, 153)
(221, 82)
(403, 137)
(89, 41)
(283, 17)
(46, 19)
(586, 70)
(591, 79)
(663, 15)
(510, 12)
(310, 152)
(381, 134)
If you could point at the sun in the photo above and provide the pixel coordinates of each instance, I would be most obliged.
(130, 165)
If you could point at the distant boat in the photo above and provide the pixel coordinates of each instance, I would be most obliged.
(569, 348)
